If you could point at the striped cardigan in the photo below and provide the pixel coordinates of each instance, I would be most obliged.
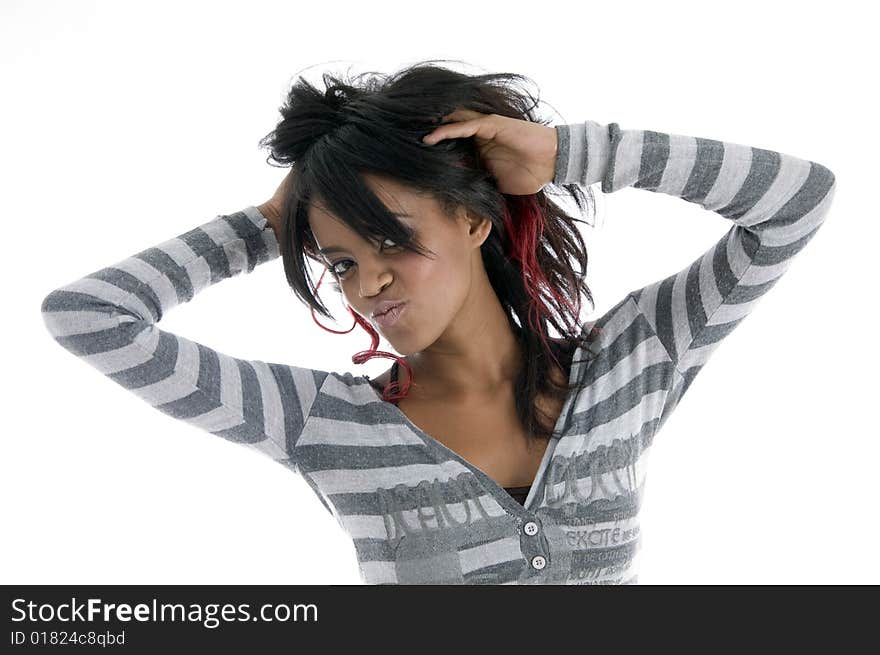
(416, 511)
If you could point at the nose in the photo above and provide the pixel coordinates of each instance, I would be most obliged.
(373, 277)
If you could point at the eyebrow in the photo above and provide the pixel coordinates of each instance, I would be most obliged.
(332, 249)
(327, 251)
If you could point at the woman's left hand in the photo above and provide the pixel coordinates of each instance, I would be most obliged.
(521, 155)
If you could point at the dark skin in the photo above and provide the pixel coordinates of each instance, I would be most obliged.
(459, 344)
(485, 431)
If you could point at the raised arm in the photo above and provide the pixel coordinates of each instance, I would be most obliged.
(775, 201)
(108, 319)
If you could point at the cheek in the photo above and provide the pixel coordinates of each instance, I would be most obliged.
(439, 285)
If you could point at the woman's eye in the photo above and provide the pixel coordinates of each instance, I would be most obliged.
(346, 263)
(336, 271)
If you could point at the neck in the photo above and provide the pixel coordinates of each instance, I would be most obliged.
(476, 357)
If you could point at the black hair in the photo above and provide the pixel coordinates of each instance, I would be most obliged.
(374, 123)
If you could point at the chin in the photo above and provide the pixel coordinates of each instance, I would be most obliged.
(403, 347)
(407, 342)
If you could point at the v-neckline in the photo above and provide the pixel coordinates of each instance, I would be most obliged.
(510, 504)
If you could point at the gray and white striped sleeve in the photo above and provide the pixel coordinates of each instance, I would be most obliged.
(108, 319)
(776, 202)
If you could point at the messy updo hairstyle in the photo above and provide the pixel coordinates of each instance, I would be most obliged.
(535, 257)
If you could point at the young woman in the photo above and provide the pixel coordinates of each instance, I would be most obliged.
(489, 452)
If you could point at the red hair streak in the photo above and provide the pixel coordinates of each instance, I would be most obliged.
(524, 238)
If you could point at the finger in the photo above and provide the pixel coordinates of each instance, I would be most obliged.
(452, 131)
(481, 127)
(461, 114)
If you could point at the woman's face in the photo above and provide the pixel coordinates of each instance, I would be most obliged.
(435, 287)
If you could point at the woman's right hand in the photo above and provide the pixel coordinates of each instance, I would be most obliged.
(274, 209)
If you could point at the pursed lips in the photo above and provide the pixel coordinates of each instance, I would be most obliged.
(386, 306)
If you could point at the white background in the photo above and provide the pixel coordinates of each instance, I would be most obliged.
(125, 124)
